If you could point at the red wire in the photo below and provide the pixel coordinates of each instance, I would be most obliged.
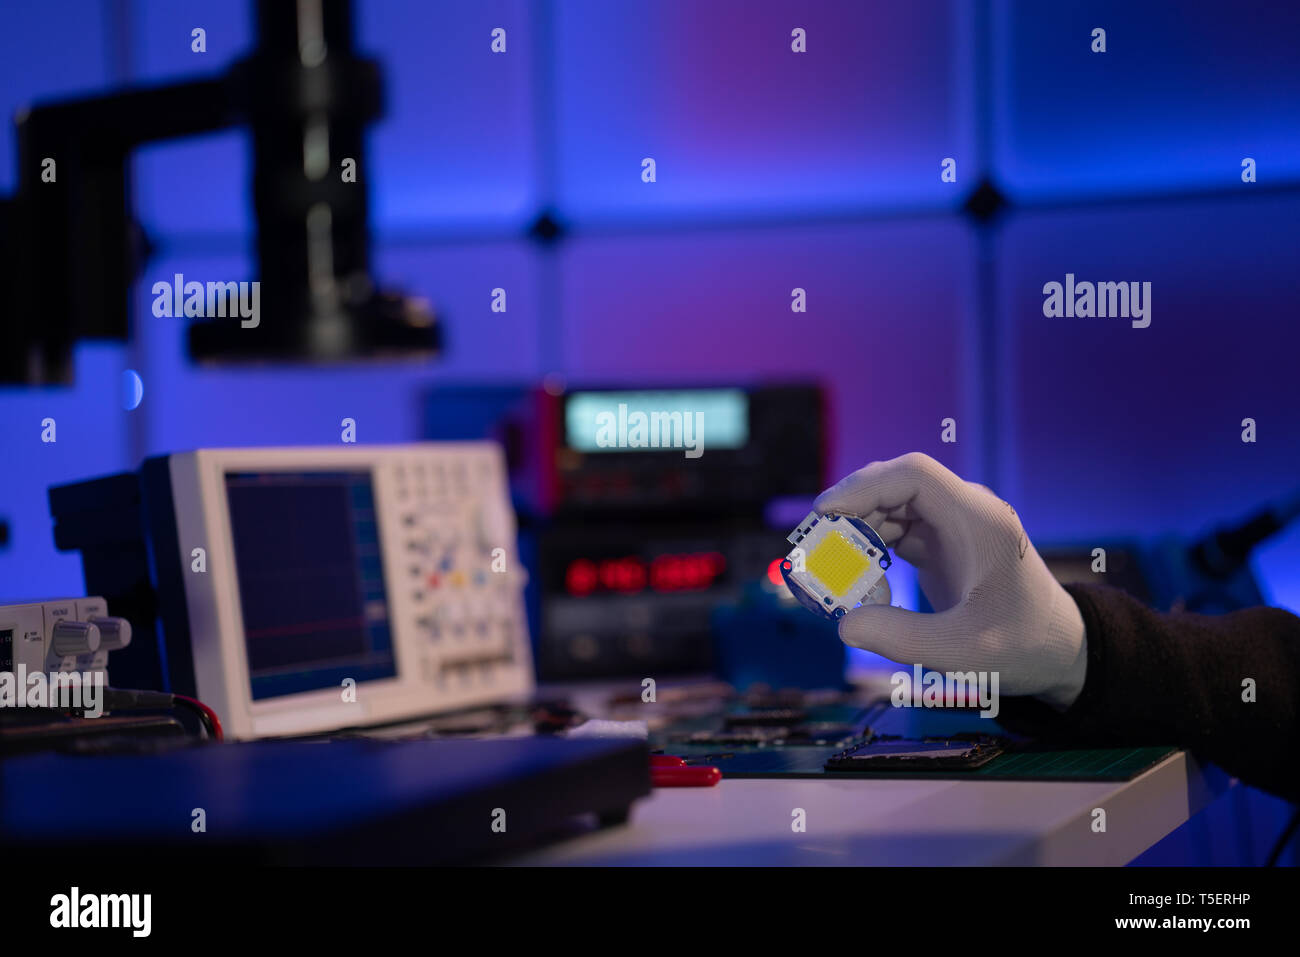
(212, 715)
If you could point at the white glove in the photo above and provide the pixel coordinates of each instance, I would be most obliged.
(996, 606)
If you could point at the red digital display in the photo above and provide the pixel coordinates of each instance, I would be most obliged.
(631, 574)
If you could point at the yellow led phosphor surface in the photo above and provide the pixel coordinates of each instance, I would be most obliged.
(837, 563)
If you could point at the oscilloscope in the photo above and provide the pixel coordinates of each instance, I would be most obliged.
(304, 590)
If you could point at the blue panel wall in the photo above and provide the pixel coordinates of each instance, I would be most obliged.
(1111, 428)
(457, 148)
(49, 51)
(740, 125)
(888, 326)
(90, 438)
(1182, 94)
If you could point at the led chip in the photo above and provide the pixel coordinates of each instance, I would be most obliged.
(838, 563)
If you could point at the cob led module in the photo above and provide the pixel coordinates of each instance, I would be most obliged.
(838, 563)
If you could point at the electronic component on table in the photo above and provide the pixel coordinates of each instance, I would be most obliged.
(838, 563)
(886, 753)
(61, 635)
(307, 590)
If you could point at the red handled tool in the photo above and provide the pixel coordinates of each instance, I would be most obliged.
(667, 771)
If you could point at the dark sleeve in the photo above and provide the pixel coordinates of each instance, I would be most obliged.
(1178, 679)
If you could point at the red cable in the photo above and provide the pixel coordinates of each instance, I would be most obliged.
(212, 715)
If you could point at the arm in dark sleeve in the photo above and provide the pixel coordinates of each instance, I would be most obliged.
(1180, 679)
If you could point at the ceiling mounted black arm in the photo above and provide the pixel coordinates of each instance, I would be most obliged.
(74, 250)
(74, 247)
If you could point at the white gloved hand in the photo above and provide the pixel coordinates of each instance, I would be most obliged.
(996, 606)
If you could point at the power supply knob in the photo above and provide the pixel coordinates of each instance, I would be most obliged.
(114, 633)
(74, 638)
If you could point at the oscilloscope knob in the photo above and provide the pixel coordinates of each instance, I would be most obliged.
(74, 638)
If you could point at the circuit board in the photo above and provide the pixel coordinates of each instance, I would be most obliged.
(798, 740)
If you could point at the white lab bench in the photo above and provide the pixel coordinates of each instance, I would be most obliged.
(900, 822)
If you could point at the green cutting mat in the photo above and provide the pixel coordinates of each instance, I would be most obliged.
(1102, 764)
